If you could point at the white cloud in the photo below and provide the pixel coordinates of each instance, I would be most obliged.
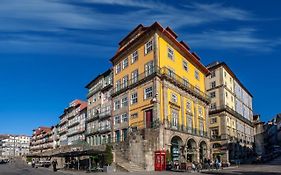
(42, 22)
(243, 38)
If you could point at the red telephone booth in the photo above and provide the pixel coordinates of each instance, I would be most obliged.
(160, 161)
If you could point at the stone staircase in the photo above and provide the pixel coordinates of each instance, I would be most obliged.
(127, 165)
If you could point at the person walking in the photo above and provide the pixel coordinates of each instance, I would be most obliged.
(54, 163)
(33, 163)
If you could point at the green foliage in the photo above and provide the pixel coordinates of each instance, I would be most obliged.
(29, 159)
(108, 156)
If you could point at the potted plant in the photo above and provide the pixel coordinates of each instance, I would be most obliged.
(108, 159)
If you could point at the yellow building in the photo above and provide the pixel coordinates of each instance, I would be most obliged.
(160, 83)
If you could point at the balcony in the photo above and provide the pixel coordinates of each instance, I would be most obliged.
(73, 123)
(105, 114)
(232, 112)
(94, 90)
(106, 86)
(74, 132)
(92, 131)
(163, 73)
(107, 128)
(92, 117)
(188, 130)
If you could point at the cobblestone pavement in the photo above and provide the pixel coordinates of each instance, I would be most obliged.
(271, 168)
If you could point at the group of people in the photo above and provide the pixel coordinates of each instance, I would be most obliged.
(198, 166)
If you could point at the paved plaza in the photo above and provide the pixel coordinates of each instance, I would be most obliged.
(270, 168)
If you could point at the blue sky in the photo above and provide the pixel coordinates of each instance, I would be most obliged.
(50, 49)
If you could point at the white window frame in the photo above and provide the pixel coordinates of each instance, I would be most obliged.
(125, 63)
(148, 92)
(174, 98)
(134, 76)
(171, 54)
(116, 106)
(134, 98)
(148, 47)
(125, 81)
(124, 102)
(149, 68)
(135, 56)
(118, 68)
(125, 115)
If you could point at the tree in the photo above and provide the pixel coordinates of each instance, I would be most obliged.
(108, 156)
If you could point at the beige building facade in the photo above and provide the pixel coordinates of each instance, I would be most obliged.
(230, 116)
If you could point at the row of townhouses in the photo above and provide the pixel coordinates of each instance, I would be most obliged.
(14, 145)
(158, 97)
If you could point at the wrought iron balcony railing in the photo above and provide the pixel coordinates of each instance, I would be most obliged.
(231, 111)
(163, 73)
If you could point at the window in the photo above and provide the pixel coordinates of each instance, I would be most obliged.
(117, 120)
(135, 56)
(170, 53)
(213, 106)
(175, 118)
(135, 115)
(149, 68)
(185, 82)
(226, 94)
(200, 111)
(124, 117)
(125, 81)
(213, 74)
(124, 102)
(171, 73)
(189, 123)
(188, 106)
(213, 84)
(125, 63)
(213, 120)
(214, 133)
(184, 64)
(148, 47)
(135, 76)
(134, 98)
(196, 74)
(174, 98)
(224, 74)
(201, 128)
(118, 85)
(213, 94)
(116, 105)
(148, 92)
(118, 68)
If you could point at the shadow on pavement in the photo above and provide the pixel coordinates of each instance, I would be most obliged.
(244, 173)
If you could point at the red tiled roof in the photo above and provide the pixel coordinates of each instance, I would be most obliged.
(168, 32)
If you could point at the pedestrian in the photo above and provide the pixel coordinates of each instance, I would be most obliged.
(33, 163)
(54, 163)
